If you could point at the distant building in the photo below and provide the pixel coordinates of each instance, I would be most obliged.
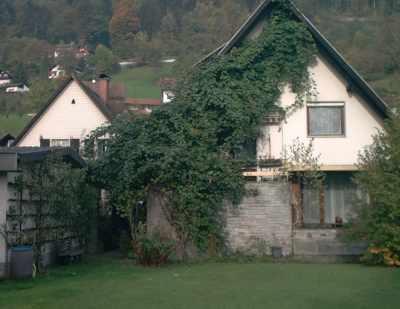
(57, 72)
(18, 88)
(6, 140)
(168, 86)
(63, 49)
(76, 109)
(5, 78)
(142, 106)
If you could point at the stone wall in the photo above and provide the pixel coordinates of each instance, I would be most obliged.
(323, 242)
(262, 220)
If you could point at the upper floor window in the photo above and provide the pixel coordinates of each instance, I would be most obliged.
(325, 119)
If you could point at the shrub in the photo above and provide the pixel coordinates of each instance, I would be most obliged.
(379, 219)
(151, 249)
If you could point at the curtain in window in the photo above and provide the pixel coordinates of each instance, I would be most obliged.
(325, 121)
(311, 207)
(340, 197)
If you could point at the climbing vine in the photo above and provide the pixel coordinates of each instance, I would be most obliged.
(189, 151)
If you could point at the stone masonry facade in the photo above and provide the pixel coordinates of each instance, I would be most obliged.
(262, 220)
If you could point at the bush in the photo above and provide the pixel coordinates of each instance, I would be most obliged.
(379, 219)
(151, 249)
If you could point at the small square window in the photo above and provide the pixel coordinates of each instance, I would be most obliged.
(325, 120)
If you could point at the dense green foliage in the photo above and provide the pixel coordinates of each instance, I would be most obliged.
(57, 199)
(191, 151)
(379, 219)
(106, 283)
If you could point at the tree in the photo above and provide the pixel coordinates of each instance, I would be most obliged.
(40, 92)
(123, 27)
(378, 221)
(150, 13)
(104, 61)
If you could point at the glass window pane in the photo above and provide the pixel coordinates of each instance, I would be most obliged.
(311, 207)
(325, 121)
(340, 197)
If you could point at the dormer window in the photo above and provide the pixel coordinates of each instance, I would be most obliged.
(326, 119)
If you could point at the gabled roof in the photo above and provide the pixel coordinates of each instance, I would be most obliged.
(101, 105)
(353, 78)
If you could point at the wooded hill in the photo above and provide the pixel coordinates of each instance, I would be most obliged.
(365, 31)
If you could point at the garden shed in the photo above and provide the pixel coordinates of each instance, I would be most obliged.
(14, 162)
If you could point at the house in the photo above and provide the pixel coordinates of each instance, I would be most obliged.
(17, 88)
(5, 78)
(13, 162)
(168, 86)
(142, 106)
(6, 140)
(61, 50)
(339, 121)
(70, 115)
(76, 109)
(56, 72)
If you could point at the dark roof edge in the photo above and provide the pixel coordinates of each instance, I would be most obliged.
(33, 121)
(365, 89)
(96, 100)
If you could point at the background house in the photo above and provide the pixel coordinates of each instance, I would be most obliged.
(56, 72)
(76, 109)
(17, 88)
(5, 78)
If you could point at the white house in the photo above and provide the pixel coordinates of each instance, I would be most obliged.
(19, 88)
(5, 78)
(74, 111)
(57, 72)
(339, 121)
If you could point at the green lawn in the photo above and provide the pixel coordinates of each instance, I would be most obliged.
(111, 283)
(12, 124)
(142, 82)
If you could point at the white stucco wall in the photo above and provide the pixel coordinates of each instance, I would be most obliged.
(3, 214)
(361, 122)
(64, 120)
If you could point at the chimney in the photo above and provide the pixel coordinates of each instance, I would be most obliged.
(103, 87)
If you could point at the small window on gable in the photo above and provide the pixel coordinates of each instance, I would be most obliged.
(325, 119)
(73, 101)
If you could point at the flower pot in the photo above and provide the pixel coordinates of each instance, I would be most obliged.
(276, 252)
(22, 262)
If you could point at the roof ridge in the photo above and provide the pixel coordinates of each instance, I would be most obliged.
(356, 79)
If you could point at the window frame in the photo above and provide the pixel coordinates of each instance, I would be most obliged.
(322, 206)
(327, 104)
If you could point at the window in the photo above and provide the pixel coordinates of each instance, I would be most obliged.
(75, 144)
(325, 119)
(44, 142)
(332, 204)
(60, 143)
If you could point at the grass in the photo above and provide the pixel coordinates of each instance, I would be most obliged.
(142, 82)
(12, 123)
(111, 283)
